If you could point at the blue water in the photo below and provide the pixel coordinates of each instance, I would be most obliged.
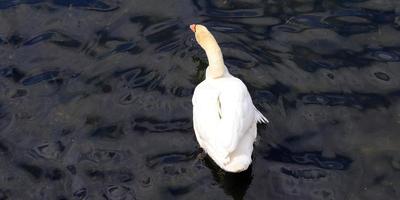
(95, 98)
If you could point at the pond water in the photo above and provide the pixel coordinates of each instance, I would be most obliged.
(95, 98)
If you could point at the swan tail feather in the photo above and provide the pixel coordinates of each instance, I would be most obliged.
(260, 117)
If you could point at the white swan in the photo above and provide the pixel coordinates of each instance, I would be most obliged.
(224, 117)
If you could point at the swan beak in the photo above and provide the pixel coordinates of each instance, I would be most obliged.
(193, 28)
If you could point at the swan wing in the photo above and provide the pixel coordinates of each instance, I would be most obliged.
(205, 113)
(238, 114)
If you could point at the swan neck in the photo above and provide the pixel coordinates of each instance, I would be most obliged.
(216, 66)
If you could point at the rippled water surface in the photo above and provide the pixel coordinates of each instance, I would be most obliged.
(95, 98)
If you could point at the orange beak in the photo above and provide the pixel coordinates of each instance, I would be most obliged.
(193, 28)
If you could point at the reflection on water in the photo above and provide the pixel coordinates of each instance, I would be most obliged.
(234, 184)
(95, 98)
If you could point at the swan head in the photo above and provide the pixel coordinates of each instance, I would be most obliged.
(207, 41)
(203, 36)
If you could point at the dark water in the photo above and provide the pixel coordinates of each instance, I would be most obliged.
(95, 98)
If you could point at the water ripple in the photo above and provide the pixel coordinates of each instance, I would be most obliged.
(56, 37)
(96, 95)
(310, 174)
(345, 26)
(105, 156)
(11, 72)
(118, 192)
(158, 126)
(170, 158)
(111, 132)
(307, 21)
(49, 150)
(316, 159)
(38, 172)
(81, 194)
(311, 61)
(34, 170)
(35, 79)
(129, 47)
(10, 3)
(384, 55)
(237, 13)
(382, 76)
(177, 191)
(162, 31)
(116, 175)
(5, 118)
(359, 101)
(138, 77)
(96, 5)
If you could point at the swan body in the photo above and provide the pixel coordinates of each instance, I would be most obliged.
(224, 117)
